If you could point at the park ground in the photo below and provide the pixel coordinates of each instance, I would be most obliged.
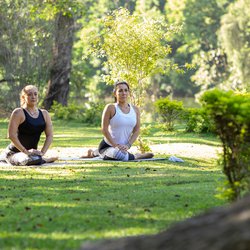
(65, 204)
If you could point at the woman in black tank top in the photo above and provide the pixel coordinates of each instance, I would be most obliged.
(26, 125)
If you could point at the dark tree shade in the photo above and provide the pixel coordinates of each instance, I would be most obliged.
(220, 229)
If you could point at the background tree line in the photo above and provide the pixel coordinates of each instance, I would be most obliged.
(46, 43)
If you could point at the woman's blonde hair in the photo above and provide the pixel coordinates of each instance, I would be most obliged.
(24, 92)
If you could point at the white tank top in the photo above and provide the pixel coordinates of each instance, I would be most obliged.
(121, 125)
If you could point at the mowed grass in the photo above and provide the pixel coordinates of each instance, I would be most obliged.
(66, 134)
(63, 206)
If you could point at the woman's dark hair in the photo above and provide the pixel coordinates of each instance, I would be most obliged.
(119, 83)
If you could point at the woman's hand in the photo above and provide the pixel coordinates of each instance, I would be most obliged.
(123, 147)
(35, 152)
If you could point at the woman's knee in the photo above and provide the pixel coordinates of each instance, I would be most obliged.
(116, 154)
(21, 159)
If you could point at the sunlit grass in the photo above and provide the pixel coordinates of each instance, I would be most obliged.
(65, 205)
(76, 134)
(62, 206)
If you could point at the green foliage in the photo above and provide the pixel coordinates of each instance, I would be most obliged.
(169, 110)
(70, 112)
(197, 120)
(135, 47)
(231, 115)
(225, 191)
(201, 19)
(145, 129)
(143, 145)
(49, 9)
(235, 36)
(93, 113)
(25, 44)
(199, 43)
(90, 113)
(27, 32)
(212, 71)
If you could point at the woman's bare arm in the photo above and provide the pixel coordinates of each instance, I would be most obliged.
(48, 132)
(107, 114)
(17, 117)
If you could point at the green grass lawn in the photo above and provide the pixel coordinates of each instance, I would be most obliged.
(61, 207)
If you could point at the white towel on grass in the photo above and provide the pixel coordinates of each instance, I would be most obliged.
(175, 159)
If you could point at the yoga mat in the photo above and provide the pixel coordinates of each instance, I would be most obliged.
(100, 159)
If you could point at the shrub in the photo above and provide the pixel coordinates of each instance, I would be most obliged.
(142, 145)
(198, 121)
(70, 112)
(169, 110)
(231, 115)
(93, 113)
(90, 113)
(145, 130)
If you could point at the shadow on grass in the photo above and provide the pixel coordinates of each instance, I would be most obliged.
(59, 207)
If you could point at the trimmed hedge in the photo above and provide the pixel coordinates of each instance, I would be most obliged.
(170, 111)
(198, 121)
(231, 115)
(90, 113)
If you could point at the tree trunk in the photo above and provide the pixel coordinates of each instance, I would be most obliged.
(225, 228)
(58, 85)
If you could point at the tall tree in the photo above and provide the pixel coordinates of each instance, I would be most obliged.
(88, 70)
(199, 41)
(25, 39)
(235, 38)
(135, 47)
(58, 85)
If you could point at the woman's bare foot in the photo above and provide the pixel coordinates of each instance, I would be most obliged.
(90, 154)
(144, 156)
(51, 159)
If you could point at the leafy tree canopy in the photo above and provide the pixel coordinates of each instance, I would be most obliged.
(135, 47)
(235, 38)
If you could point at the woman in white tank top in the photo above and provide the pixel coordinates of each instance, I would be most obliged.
(120, 127)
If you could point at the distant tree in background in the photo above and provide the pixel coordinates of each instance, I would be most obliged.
(29, 31)
(64, 14)
(35, 47)
(198, 43)
(135, 47)
(235, 38)
(25, 45)
(58, 85)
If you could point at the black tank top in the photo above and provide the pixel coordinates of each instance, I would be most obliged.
(29, 131)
